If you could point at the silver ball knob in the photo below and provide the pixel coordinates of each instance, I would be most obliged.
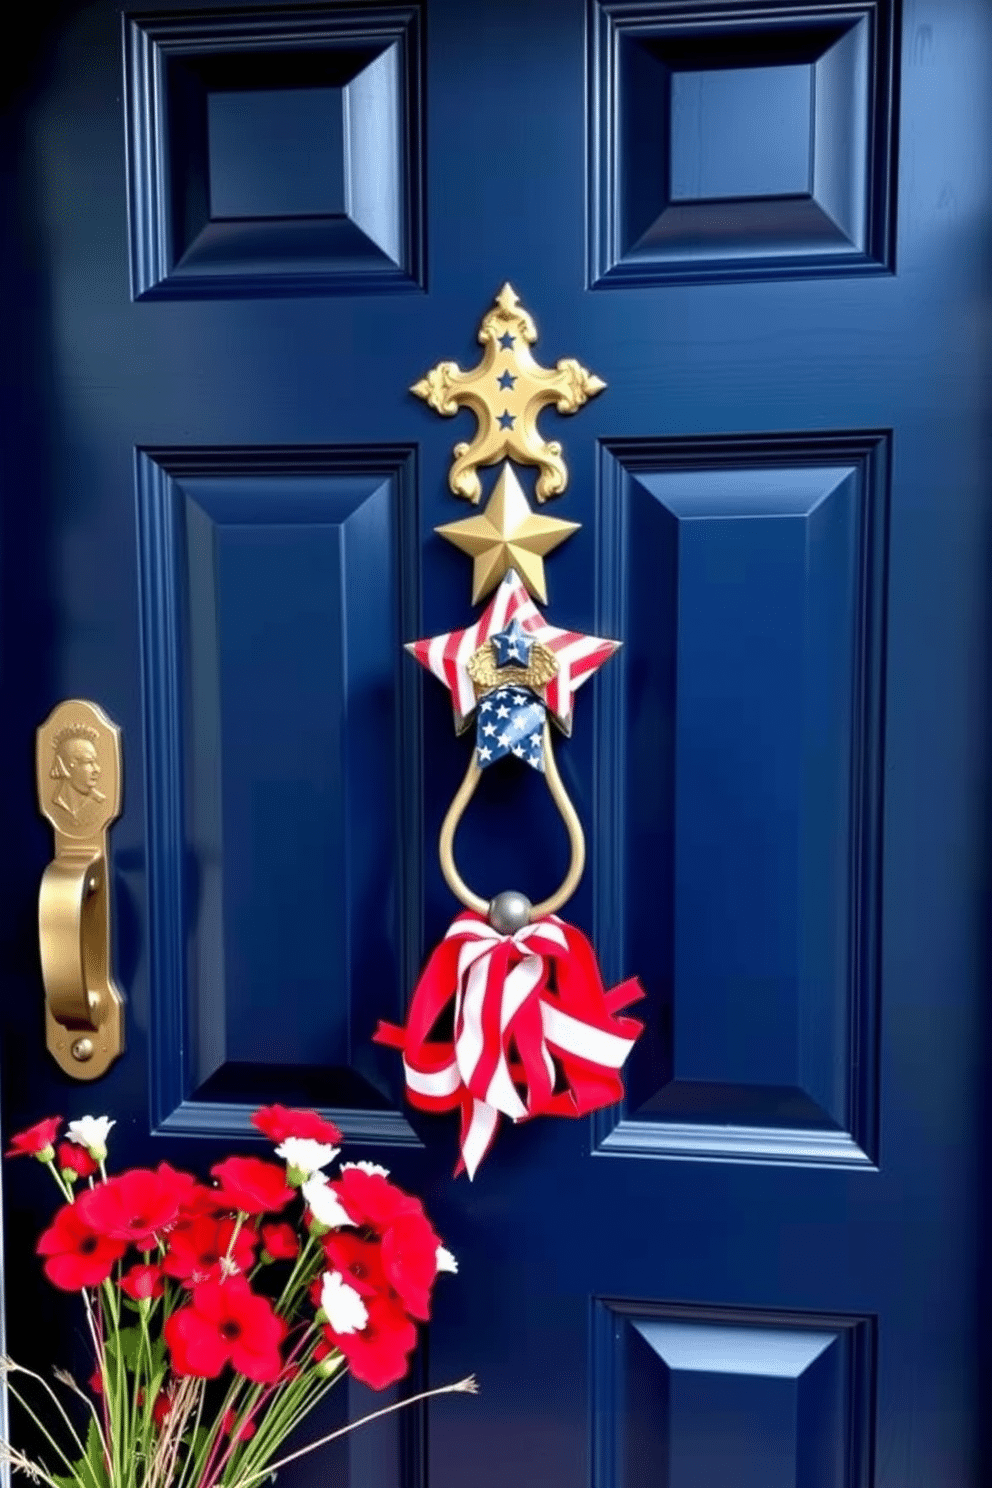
(509, 912)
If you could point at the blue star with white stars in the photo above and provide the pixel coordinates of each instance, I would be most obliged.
(506, 419)
(512, 645)
(510, 721)
(506, 380)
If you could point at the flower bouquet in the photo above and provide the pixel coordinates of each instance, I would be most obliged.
(220, 1315)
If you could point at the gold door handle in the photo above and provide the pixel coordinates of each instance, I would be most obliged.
(78, 772)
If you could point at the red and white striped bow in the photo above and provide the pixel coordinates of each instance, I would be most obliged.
(534, 1031)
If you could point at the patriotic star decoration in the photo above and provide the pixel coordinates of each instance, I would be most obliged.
(578, 656)
(512, 645)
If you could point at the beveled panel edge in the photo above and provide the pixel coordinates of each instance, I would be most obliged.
(605, 1417)
(156, 469)
(613, 1133)
(149, 39)
(700, 1143)
(193, 1118)
(608, 20)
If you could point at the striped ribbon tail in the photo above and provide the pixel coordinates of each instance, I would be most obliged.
(513, 1025)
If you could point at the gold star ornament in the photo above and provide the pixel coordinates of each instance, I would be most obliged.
(505, 535)
(506, 392)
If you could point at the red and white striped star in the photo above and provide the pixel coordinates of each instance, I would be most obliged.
(578, 655)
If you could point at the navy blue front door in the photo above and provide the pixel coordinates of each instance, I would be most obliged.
(232, 240)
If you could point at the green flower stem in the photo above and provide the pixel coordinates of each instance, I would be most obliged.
(94, 1319)
(282, 1404)
(212, 1445)
(296, 1285)
(62, 1184)
(115, 1390)
(289, 1406)
(145, 1314)
(151, 1386)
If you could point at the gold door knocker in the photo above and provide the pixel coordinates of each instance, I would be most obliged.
(78, 773)
(510, 1018)
(516, 668)
(512, 664)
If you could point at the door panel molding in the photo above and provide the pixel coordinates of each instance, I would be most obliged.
(789, 1396)
(228, 193)
(222, 531)
(730, 144)
(761, 1041)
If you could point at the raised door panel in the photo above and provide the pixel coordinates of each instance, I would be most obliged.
(277, 588)
(274, 151)
(749, 580)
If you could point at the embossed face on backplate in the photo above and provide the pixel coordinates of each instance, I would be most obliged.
(78, 770)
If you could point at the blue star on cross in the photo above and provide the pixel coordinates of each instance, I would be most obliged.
(506, 380)
(506, 340)
(512, 647)
(506, 420)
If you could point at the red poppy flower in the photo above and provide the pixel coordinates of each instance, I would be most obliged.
(378, 1354)
(251, 1185)
(279, 1122)
(142, 1282)
(182, 1184)
(75, 1159)
(77, 1255)
(226, 1323)
(203, 1202)
(371, 1200)
(358, 1260)
(280, 1241)
(409, 1259)
(36, 1140)
(199, 1247)
(230, 1427)
(95, 1381)
(162, 1407)
(133, 1206)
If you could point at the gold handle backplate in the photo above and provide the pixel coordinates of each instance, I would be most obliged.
(78, 771)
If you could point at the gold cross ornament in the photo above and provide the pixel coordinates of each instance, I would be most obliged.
(506, 392)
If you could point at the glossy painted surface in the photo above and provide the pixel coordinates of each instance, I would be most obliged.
(218, 512)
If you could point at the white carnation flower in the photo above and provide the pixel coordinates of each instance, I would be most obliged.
(445, 1260)
(346, 1312)
(367, 1167)
(306, 1155)
(324, 1204)
(91, 1132)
